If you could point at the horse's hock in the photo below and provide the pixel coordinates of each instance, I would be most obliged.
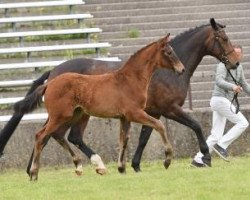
(102, 135)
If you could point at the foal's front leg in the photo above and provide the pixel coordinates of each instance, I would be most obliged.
(124, 137)
(140, 116)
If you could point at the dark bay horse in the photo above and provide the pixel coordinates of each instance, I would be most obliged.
(190, 46)
(125, 92)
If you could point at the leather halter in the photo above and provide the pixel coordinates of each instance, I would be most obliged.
(225, 60)
(223, 57)
(235, 98)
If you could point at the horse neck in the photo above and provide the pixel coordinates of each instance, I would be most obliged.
(140, 67)
(191, 49)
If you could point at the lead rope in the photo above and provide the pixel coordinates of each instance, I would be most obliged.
(235, 98)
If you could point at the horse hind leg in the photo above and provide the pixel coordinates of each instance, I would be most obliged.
(75, 137)
(41, 139)
(124, 137)
(59, 137)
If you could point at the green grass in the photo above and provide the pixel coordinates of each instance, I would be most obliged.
(224, 181)
(133, 33)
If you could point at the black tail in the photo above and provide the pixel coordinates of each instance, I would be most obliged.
(11, 125)
(31, 101)
(38, 82)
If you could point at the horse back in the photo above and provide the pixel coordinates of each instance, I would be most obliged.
(85, 66)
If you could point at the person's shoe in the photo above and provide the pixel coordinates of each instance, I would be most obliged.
(197, 165)
(221, 152)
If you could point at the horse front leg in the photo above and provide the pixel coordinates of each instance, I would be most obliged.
(140, 116)
(180, 116)
(75, 137)
(143, 140)
(124, 137)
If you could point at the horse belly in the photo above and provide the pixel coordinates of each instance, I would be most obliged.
(103, 108)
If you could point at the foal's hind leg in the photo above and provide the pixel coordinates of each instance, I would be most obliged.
(75, 137)
(140, 116)
(41, 140)
(63, 142)
(124, 137)
(59, 137)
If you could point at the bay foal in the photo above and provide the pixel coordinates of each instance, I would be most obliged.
(72, 97)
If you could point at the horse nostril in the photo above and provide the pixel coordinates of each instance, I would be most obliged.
(183, 70)
(237, 64)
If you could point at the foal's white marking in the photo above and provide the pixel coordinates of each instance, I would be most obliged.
(97, 161)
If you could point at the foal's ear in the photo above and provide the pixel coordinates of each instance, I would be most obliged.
(214, 24)
(167, 38)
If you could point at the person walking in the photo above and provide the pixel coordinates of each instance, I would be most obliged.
(226, 87)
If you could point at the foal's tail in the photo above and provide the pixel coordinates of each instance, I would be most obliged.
(31, 101)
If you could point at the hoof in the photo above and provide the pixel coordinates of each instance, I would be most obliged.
(78, 173)
(1, 154)
(33, 177)
(207, 161)
(122, 170)
(101, 171)
(166, 163)
(136, 167)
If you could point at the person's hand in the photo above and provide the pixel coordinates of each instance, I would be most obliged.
(237, 89)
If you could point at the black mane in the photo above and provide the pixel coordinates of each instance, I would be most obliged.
(186, 34)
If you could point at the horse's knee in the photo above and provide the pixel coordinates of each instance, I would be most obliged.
(160, 127)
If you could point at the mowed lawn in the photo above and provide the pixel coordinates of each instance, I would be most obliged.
(224, 181)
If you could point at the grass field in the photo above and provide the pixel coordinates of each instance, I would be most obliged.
(224, 181)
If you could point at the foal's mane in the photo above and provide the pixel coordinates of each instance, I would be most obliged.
(142, 49)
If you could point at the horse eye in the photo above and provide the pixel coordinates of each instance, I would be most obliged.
(168, 52)
(225, 39)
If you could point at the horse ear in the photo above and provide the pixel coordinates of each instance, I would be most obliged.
(168, 37)
(213, 24)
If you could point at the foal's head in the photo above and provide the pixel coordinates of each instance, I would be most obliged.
(166, 57)
(221, 47)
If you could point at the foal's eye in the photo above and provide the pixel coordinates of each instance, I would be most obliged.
(169, 52)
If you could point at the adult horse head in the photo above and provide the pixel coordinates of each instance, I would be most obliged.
(221, 47)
